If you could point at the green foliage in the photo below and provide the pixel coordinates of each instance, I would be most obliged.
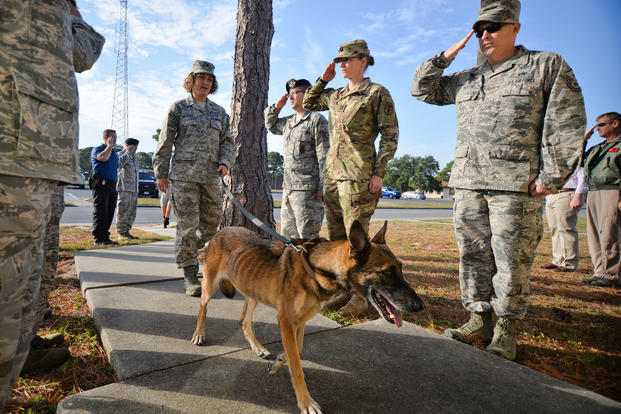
(445, 173)
(275, 163)
(413, 173)
(145, 160)
(156, 136)
(85, 158)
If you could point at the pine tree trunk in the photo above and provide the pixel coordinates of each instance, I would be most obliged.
(251, 74)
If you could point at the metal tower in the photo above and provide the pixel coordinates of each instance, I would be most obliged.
(119, 106)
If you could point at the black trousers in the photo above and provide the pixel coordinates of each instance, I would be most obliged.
(104, 204)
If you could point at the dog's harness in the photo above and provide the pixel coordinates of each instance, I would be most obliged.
(300, 248)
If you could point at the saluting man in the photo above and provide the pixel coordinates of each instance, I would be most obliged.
(305, 143)
(520, 123)
(127, 187)
(602, 169)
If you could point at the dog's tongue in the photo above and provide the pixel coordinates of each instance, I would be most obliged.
(396, 315)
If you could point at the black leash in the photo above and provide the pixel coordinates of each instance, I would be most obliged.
(256, 221)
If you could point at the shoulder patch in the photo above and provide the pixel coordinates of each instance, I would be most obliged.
(388, 108)
(572, 83)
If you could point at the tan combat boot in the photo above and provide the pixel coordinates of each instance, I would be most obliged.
(505, 338)
(356, 306)
(338, 302)
(479, 327)
(190, 281)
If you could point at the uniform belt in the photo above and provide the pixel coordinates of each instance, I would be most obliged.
(567, 190)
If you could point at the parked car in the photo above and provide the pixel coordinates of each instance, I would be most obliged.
(147, 186)
(413, 195)
(390, 192)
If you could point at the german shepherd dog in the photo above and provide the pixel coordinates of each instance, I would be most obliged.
(298, 284)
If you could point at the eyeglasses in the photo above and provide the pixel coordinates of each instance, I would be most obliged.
(491, 28)
(601, 124)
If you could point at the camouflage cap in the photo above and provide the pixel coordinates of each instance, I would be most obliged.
(499, 11)
(201, 66)
(131, 141)
(355, 48)
(295, 83)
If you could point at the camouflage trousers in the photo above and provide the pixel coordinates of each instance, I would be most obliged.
(126, 211)
(301, 214)
(198, 208)
(497, 234)
(50, 253)
(346, 201)
(24, 212)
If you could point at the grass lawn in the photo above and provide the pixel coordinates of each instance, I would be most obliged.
(572, 330)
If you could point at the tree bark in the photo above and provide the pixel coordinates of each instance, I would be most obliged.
(253, 41)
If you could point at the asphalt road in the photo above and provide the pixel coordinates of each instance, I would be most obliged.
(81, 211)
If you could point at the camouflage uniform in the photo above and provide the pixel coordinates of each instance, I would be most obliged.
(50, 254)
(519, 124)
(306, 142)
(127, 187)
(356, 118)
(38, 148)
(202, 141)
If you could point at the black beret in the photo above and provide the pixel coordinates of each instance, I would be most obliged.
(293, 83)
(131, 141)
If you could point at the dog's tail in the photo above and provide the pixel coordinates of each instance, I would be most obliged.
(227, 288)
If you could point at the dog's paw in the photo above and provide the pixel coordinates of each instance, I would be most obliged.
(274, 365)
(262, 352)
(312, 408)
(198, 339)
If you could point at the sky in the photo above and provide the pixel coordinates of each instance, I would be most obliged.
(165, 36)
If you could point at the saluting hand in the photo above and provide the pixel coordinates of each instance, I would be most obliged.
(282, 101)
(329, 73)
(589, 133)
(452, 51)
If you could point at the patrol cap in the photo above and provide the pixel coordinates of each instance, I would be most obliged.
(131, 141)
(201, 66)
(355, 48)
(499, 11)
(294, 83)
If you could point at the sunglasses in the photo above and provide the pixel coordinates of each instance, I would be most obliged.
(491, 28)
(601, 124)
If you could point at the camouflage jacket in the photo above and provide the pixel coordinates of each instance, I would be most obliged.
(602, 165)
(40, 44)
(128, 172)
(202, 140)
(522, 123)
(356, 117)
(305, 144)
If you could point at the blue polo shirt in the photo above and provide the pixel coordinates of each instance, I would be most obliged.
(108, 169)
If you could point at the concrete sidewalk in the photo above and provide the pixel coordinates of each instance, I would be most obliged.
(146, 321)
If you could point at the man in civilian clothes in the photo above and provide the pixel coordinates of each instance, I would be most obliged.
(105, 163)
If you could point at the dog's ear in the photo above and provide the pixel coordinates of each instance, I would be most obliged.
(380, 236)
(358, 241)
